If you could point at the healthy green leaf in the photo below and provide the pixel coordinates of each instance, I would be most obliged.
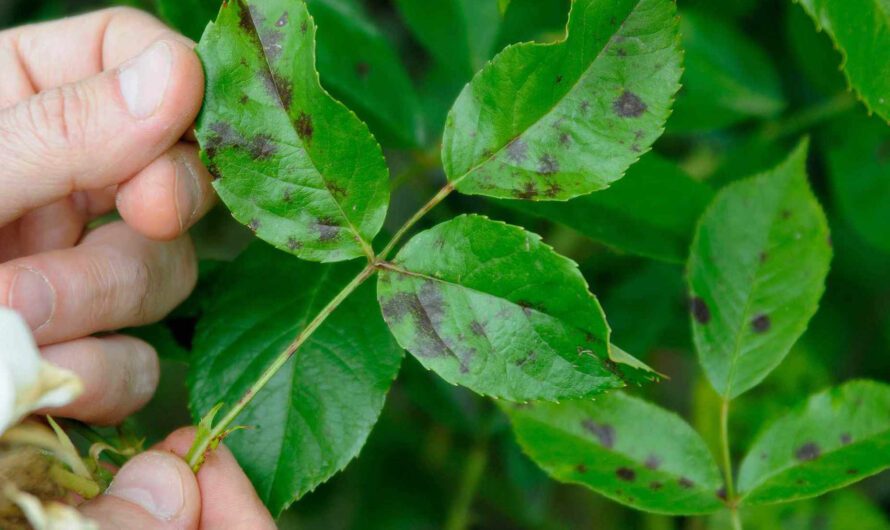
(554, 121)
(489, 306)
(860, 30)
(294, 165)
(631, 451)
(756, 273)
(316, 413)
(459, 34)
(728, 77)
(858, 154)
(836, 438)
(359, 66)
(651, 212)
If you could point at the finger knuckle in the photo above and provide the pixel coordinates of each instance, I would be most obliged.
(59, 119)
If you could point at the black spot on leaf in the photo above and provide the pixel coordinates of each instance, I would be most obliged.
(517, 151)
(846, 438)
(328, 229)
(565, 140)
(628, 105)
(288, 195)
(760, 323)
(254, 224)
(282, 21)
(626, 474)
(528, 191)
(763, 257)
(807, 452)
(262, 147)
(653, 462)
(304, 26)
(548, 165)
(477, 328)
(243, 99)
(699, 310)
(362, 70)
(686, 483)
(852, 471)
(553, 189)
(581, 468)
(655, 485)
(529, 358)
(293, 244)
(604, 432)
(721, 493)
(786, 214)
(305, 130)
(585, 106)
(558, 79)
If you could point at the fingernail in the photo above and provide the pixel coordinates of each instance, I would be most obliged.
(33, 296)
(152, 482)
(188, 192)
(143, 79)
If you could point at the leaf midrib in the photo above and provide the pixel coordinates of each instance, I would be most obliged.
(363, 245)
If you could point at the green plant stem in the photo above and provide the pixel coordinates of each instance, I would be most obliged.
(810, 116)
(474, 468)
(91, 435)
(425, 209)
(206, 441)
(727, 465)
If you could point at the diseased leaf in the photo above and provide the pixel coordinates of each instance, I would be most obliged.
(756, 273)
(316, 413)
(836, 438)
(294, 165)
(488, 306)
(359, 65)
(858, 152)
(554, 121)
(728, 77)
(631, 451)
(459, 34)
(651, 212)
(860, 30)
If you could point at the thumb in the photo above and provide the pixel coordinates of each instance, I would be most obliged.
(153, 491)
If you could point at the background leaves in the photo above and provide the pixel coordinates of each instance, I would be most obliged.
(314, 416)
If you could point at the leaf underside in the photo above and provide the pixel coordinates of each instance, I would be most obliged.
(615, 445)
(315, 415)
(756, 272)
(293, 164)
(554, 121)
(488, 306)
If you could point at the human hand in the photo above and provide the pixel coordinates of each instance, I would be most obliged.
(93, 110)
(157, 490)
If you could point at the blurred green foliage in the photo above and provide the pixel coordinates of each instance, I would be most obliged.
(758, 76)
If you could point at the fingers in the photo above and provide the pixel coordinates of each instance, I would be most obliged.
(97, 132)
(119, 376)
(154, 491)
(168, 196)
(114, 279)
(228, 498)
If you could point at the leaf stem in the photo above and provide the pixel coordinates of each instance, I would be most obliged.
(425, 209)
(809, 117)
(206, 441)
(474, 467)
(727, 465)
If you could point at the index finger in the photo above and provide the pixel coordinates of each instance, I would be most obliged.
(51, 54)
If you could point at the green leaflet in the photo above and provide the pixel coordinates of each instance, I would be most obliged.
(728, 77)
(294, 165)
(459, 34)
(756, 273)
(554, 121)
(651, 212)
(631, 451)
(860, 30)
(490, 307)
(315, 414)
(858, 151)
(837, 437)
